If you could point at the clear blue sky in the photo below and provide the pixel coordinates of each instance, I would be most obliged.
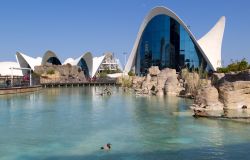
(72, 27)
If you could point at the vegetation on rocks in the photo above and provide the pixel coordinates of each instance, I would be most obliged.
(60, 74)
(126, 82)
(104, 73)
(50, 71)
(235, 66)
(131, 73)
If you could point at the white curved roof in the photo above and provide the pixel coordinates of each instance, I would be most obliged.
(207, 55)
(89, 61)
(6, 71)
(68, 60)
(211, 43)
(47, 55)
(88, 58)
(97, 61)
(25, 61)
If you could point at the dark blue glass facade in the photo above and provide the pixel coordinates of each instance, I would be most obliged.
(82, 63)
(165, 43)
(54, 61)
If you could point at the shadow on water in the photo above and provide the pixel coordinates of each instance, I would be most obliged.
(228, 152)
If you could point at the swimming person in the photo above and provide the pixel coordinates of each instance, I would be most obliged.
(106, 147)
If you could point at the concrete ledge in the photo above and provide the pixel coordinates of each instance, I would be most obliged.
(15, 90)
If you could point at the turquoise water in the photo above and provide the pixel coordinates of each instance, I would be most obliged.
(73, 123)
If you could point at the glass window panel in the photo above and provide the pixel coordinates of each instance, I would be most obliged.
(166, 43)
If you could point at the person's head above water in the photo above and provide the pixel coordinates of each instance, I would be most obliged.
(106, 147)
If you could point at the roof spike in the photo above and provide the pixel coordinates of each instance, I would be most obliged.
(211, 43)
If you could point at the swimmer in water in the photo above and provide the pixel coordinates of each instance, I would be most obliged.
(106, 147)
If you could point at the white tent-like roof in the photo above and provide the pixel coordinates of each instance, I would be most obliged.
(93, 64)
(25, 61)
(68, 60)
(97, 61)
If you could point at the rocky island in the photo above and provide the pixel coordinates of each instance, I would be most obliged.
(221, 95)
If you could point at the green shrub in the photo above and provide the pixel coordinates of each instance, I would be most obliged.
(103, 75)
(130, 73)
(107, 71)
(234, 66)
(35, 74)
(242, 65)
(222, 70)
(126, 82)
(50, 71)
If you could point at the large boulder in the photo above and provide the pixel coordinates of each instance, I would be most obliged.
(240, 76)
(167, 72)
(207, 103)
(191, 83)
(235, 95)
(234, 90)
(137, 82)
(208, 98)
(154, 71)
(216, 77)
(165, 75)
(172, 86)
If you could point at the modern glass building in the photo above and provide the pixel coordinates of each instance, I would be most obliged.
(165, 41)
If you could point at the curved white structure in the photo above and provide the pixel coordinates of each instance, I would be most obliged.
(68, 60)
(47, 55)
(212, 39)
(88, 58)
(97, 61)
(93, 63)
(25, 61)
(7, 71)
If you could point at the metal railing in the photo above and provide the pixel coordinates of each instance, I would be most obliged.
(13, 81)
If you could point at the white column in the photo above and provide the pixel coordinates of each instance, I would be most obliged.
(30, 78)
(11, 76)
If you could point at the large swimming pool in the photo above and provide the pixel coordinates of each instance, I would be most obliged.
(73, 123)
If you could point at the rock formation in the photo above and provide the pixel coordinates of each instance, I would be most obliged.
(191, 83)
(207, 102)
(229, 94)
(234, 90)
(157, 82)
(222, 95)
(60, 74)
